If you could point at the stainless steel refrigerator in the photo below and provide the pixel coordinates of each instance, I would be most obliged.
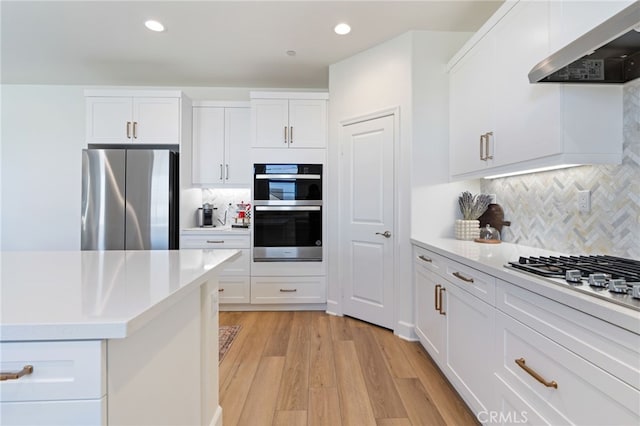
(129, 199)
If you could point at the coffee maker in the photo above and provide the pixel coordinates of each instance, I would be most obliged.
(205, 216)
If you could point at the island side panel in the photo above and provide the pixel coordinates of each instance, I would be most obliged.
(154, 374)
(211, 410)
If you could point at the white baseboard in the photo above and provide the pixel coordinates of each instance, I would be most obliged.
(334, 308)
(406, 331)
(217, 417)
(230, 307)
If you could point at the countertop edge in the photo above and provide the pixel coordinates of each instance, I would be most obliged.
(114, 329)
(615, 314)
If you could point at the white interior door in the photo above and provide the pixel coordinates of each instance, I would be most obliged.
(367, 246)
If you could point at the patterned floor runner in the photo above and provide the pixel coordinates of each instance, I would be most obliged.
(226, 334)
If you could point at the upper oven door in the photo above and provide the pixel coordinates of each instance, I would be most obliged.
(283, 183)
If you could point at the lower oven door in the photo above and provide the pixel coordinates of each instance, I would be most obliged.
(287, 234)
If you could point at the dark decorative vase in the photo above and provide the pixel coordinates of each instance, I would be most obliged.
(494, 216)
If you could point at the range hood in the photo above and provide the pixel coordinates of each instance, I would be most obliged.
(609, 53)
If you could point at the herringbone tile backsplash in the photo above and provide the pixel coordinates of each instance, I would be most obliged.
(542, 207)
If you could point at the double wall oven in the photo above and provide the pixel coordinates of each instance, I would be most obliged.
(287, 217)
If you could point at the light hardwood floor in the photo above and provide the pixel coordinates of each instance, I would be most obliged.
(310, 368)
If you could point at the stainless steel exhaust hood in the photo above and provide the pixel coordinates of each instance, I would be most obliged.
(609, 53)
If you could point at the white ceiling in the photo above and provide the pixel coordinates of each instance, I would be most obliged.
(207, 43)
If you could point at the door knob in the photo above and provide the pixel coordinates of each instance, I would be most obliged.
(385, 234)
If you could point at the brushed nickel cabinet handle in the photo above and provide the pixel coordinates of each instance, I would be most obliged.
(291, 134)
(486, 142)
(26, 370)
(285, 134)
(226, 169)
(426, 259)
(481, 147)
(442, 312)
(220, 171)
(462, 277)
(522, 364)
(435, 297)
(135, 130)
(128, 130)
(215, 241)
(287, 290)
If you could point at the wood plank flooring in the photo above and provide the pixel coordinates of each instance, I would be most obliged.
(310, 368)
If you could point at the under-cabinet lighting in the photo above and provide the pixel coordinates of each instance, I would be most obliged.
(154, 25)
(540, 169)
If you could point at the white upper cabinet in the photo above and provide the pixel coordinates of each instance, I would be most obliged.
(472, 107)
(500, 123)
(571, 19)
(133, 117)
(221, 144)
(288, 120)
(534, 108)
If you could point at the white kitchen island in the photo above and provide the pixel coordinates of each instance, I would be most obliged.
(114, 337)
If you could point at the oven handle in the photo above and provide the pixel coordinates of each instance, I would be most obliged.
(286, 176)
(287, 208)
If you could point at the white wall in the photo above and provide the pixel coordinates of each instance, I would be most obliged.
(434, 201)
(43, 133)
(374, 80)
(42, 139)
(407, 72)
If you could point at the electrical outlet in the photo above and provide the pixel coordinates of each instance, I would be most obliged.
(584, 201)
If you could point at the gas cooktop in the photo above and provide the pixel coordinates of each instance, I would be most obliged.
(614, 279)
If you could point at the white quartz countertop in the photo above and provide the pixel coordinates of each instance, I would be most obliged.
(68, 295)
(491, 258)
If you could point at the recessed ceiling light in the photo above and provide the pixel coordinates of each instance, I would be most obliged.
(291, 52)
(154, 25)
(342, 29)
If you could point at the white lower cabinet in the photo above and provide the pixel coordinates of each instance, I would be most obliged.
(468, 335)
(286, 290)
(517, 357)
(455, 326)
(559, 386)
(66, 386)
(234, 281)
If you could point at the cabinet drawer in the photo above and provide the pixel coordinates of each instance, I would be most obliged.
(91, 412)
(288, 290)
(585, 394)
(428, 259)
(234, 289)
(481, 285)
(237, 267)
(61, 370)
(215, 241)
(612, 348)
